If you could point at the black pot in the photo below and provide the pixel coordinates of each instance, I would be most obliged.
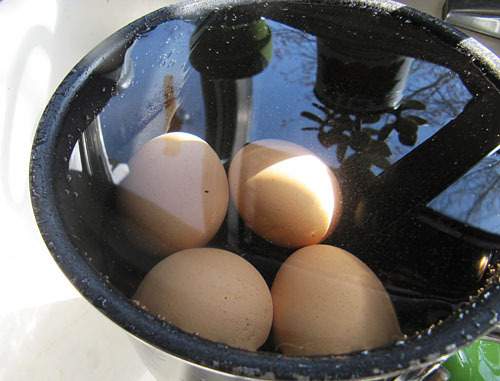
(441, 270)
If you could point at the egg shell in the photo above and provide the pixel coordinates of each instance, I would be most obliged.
(285, 193)
(213, 293)
(327, 301)
(175, 196)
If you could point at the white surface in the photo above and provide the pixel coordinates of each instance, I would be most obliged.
(47, 331)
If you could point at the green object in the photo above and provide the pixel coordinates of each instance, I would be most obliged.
(478, 362)
(231, 50)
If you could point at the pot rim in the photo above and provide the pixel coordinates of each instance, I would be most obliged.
(414, 353)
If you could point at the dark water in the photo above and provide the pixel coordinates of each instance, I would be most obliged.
(408, 125)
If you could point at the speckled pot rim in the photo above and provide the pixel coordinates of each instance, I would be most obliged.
(415, 353)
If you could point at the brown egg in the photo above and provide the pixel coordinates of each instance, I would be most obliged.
(284, 193)
(176, 194)
(326, 301)
(213, 293)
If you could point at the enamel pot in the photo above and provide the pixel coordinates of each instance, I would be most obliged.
(419, 102)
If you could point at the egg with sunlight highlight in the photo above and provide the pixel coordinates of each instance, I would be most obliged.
(285, 193)
(175, 196)
(327, 301)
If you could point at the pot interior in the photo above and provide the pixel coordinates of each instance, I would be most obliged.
(390, 99)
